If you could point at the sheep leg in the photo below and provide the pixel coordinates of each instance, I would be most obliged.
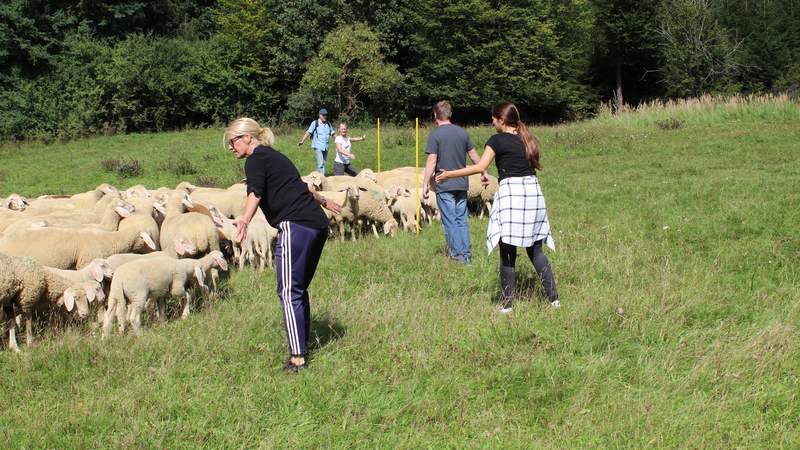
(137, 305)
(29, 329)
(215, 278)
(187, 308)
(12, 337)
(161, 310)
(375, 230)
(108, 317)
(270, 259)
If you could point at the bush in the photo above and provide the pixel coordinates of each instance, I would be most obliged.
(207, 181)
(130, 168)
(670, 124)
(179, 166)
(123, 168)
(110, 165)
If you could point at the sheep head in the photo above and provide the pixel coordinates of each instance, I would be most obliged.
(16, 202)
(99, 269)
(219, 260)
(184, 248)
(390, 227)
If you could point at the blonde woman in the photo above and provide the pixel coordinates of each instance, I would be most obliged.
(274, 185)
(344, 154)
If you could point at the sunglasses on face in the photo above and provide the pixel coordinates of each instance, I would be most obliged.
(233, 140)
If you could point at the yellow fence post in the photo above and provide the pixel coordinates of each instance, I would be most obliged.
(416, 177)
(379, 144)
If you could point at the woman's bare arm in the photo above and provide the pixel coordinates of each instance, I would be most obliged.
(480, 167)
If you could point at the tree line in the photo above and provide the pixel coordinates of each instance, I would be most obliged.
(80, 67)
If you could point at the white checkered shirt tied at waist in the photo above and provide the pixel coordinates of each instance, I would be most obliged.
(519, 215)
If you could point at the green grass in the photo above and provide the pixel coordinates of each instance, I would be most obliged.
(692, 232)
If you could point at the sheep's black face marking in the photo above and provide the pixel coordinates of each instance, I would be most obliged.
(226, 247)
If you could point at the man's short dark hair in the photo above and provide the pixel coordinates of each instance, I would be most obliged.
(442, 110)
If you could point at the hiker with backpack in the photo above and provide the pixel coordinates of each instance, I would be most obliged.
(320, 132)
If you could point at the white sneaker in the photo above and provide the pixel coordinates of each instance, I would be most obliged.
(555, 304)
(504, 310)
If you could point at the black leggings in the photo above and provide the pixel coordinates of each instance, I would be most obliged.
(508, 259)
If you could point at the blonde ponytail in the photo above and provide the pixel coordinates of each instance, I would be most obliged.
(246, 126)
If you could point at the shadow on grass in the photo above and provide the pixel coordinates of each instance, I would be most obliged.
(324, 331)
(529, 289)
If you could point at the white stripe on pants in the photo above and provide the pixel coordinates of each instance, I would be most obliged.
(286, 293)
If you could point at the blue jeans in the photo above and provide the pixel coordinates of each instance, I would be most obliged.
(453, 208)
(322, 155)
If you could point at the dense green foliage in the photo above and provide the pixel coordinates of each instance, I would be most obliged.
(676, 260)
(76, 67)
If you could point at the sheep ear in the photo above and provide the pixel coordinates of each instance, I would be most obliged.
(215, 217)
(362, 189)
(91, 292)
(108, 271)
(160, 208)
(69, 299)
(180, 247)
(96, 270)
(99, 294)
(220, 261)
(187, 201)
(148, 240)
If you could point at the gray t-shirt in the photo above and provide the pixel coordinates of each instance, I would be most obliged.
(451, 144)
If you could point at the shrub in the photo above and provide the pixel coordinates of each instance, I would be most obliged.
(670, 124)
(179, 166)
(207, 181)
(130, 168)
(110, 165)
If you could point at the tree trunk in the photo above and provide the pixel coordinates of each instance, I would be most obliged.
(618, 101)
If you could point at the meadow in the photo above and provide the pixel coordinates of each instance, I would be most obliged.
(677, 241)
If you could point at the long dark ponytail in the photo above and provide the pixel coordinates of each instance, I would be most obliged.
(509, 114)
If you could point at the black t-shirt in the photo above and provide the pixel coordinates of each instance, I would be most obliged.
(510, 155)
(284, 196)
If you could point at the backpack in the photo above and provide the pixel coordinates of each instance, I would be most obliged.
(316, 125)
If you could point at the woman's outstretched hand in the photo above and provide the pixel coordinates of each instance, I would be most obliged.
(442, 175)
(241, 230)
(333, 206)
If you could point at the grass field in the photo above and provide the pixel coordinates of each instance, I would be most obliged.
(678, 237)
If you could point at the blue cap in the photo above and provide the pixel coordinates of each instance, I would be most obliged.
(323, 111)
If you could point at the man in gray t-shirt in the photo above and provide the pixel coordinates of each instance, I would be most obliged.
(447, 149)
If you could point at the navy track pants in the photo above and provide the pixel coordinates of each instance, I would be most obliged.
(297, 254)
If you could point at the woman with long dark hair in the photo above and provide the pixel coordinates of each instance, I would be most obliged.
(519, 216)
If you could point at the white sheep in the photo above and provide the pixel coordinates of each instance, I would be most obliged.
(258, 242)
(97, 270)
(480, 194)
(373, 209)
(338, 183)
(314, 180)
(195, 228)
(14, 202)
(348, 200)
(229, 203)
(26, 286)
(115, 212)
(68, 248)
(154, 279)
(404, 205)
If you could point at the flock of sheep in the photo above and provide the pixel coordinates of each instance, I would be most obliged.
(108, 255)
